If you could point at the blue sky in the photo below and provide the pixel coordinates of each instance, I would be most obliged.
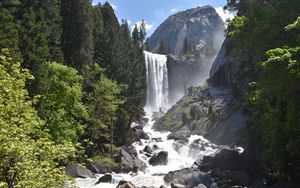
(154, 12)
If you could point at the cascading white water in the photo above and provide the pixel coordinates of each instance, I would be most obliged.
(153, 175)
(157, 81)
(178, 158)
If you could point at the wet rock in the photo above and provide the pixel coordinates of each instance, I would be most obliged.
(179, 135)
(107, 178)
(148, 149)
(188, 177)
(78, 171)
(160, 158)
(129, 161)
(126, 184)
(155, 147)
(202, 148)
(201, 186)
(138, 134)
(178, 186)
(224, 160)
(159, 139)
(148, 155)
(130, 149)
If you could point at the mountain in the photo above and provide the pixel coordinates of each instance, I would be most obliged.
(198, 26)
(191, 39)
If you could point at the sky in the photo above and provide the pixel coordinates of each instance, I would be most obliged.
(154, 12)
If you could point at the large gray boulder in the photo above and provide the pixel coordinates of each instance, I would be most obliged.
(129, 161)
(225, 159)
(78, 171)
(160, 158)
(179, 135)
(138, 134)
(188, 177)
(126, 184)
(107, 178)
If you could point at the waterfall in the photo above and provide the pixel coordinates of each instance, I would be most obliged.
(157, 81)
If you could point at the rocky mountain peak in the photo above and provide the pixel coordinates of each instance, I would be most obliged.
(198, 25)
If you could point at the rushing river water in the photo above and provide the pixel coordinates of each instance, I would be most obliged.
(179, 154)
(153, 175)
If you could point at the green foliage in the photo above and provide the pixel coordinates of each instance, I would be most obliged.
(77, 35)
(264, 33)
(26, 153)
(275, 108)
(184, 118)
(61, 102)
(105, 162)
(193, 113)
(103, 104)
(9, 34)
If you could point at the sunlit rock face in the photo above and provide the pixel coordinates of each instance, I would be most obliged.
(198, 25)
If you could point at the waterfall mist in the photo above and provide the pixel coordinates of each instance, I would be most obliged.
(192, 70)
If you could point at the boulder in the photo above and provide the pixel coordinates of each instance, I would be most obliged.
(130, 149)
(148, 149)
(188, 177)
(155, 147)
(158, 139)
(225, 159)
(129, 161)
(179, 135)
(138, 134)
(201, 186)
(78, 171)
(126, 184)
(160, 158)
(178, 186)
(107, 178)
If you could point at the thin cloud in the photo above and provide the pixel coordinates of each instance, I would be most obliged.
(147, 25)
(173, 10)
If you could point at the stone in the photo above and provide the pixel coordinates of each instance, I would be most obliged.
(188, 177)
(138, 134)
(107, 178)
(179, 135)
(155, 147)
(159, 139)
(78, 171)
(148, 149)
(224, 160)
(160, 158)
(126, 184)
(129, 161)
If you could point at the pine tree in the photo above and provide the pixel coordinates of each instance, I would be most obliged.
(77, 35)
(9, 32)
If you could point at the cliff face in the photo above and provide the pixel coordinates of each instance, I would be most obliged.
(218, 106)
(199, 26)
(202, 29)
